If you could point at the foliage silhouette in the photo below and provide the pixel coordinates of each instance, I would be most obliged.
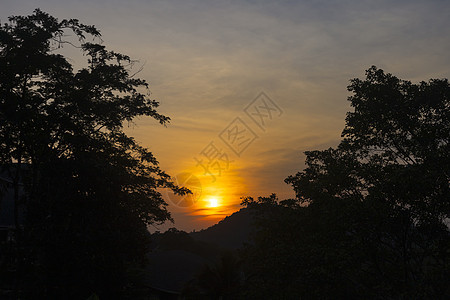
(91, 189)
(369, 216)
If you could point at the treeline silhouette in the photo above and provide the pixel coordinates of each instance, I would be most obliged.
(370, 217)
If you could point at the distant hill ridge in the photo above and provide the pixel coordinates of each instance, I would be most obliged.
(230, 233)
(177, 256)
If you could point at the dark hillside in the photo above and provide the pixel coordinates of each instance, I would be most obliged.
(230, 233)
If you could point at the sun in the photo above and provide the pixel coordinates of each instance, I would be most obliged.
(213, 202)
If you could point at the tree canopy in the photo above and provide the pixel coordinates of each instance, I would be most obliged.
(90, 188)
(370, 215)
(395, 147)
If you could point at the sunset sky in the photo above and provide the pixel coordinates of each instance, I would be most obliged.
(250, 85)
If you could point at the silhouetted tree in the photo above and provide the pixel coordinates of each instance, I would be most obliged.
(395, 148)
(369, 218)
(91, 189)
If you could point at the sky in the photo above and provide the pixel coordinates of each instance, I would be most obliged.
(250, 85)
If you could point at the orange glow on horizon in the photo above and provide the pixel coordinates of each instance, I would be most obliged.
(212, 198)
